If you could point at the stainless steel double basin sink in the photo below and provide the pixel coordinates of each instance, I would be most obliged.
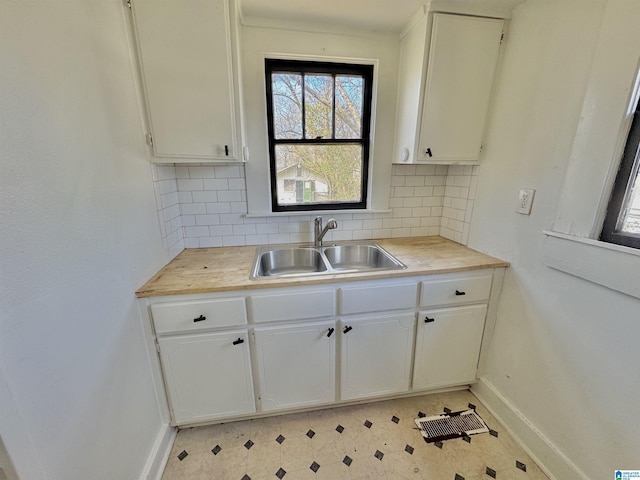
(292, 260)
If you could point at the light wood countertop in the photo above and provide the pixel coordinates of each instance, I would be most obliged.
(206, 270)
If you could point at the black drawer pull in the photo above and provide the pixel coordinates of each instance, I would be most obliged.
(200, 318)
(428, 152)
(330, 332)
(226, 150)
(347, 329)
(458, 293)
(429, 320)
(238, 341)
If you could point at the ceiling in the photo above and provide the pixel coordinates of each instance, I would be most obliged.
(372, 15)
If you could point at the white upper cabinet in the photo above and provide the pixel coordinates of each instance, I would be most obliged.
(190, 75)
(447, 70)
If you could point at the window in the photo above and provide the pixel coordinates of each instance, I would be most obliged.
(622, 222)
(318, 116)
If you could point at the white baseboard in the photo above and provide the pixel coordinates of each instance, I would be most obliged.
(548, 457)
(159, 454)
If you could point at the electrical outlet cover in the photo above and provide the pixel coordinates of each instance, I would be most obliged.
(525, 201)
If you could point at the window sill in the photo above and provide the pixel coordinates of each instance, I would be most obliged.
(612, 266)
(313, 213)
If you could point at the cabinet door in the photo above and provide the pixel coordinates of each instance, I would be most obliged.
(375, 355)
(462, 61)
(296, 365)
(188, 73)
(448, 346)
(207, 376)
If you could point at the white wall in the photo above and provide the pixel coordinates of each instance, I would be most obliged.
(79, 234)
(564, 353)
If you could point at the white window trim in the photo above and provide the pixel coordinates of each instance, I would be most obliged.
(612, 93)
(257, 168)
(607, 264)
(604, 124)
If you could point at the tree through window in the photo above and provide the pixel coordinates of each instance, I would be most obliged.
(319, 116)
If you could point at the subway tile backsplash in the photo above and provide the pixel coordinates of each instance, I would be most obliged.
(206, 206)
(460, 191)
(168, 204)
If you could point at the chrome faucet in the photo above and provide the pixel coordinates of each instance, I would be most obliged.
(320, 232)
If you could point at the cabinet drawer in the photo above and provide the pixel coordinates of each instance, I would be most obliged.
(377, 298)
(174, 317)
(292, 306)
(456, 288)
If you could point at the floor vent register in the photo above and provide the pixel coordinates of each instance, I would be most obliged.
(451, 425)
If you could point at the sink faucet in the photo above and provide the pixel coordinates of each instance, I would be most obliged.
(320, 232)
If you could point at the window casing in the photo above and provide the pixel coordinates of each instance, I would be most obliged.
(319, 120)
(622, 221)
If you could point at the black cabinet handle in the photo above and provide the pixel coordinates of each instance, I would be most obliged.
(330, 332)
(239, 341)
(200, 318)
(429, 320)
(226, 150)
(428, 152)
(458, 293)
(347, 329)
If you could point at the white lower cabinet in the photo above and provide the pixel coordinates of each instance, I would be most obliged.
(448, 346)
(375, 355)
(207, 375)
(291, 343)
(296, 365)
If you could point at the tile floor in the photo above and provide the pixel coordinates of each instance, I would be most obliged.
(369, 441)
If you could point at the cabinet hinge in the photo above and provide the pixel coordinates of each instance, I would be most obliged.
(481, 146)
(501, 36)
(149, 139)
(157, 347)
(128, 3)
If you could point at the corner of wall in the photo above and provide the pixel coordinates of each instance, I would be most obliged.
(159, 454)
(545, 453)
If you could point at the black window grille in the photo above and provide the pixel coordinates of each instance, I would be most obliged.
(319, 124)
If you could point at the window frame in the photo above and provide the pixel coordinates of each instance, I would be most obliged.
(627, 172)
(366, 70)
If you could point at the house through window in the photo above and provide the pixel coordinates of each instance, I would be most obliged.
(319, 117)
(622, 222)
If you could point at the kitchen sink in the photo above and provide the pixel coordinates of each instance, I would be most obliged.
(291, 260)
(360, 257)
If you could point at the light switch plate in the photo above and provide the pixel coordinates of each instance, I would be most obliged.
(525, 201)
